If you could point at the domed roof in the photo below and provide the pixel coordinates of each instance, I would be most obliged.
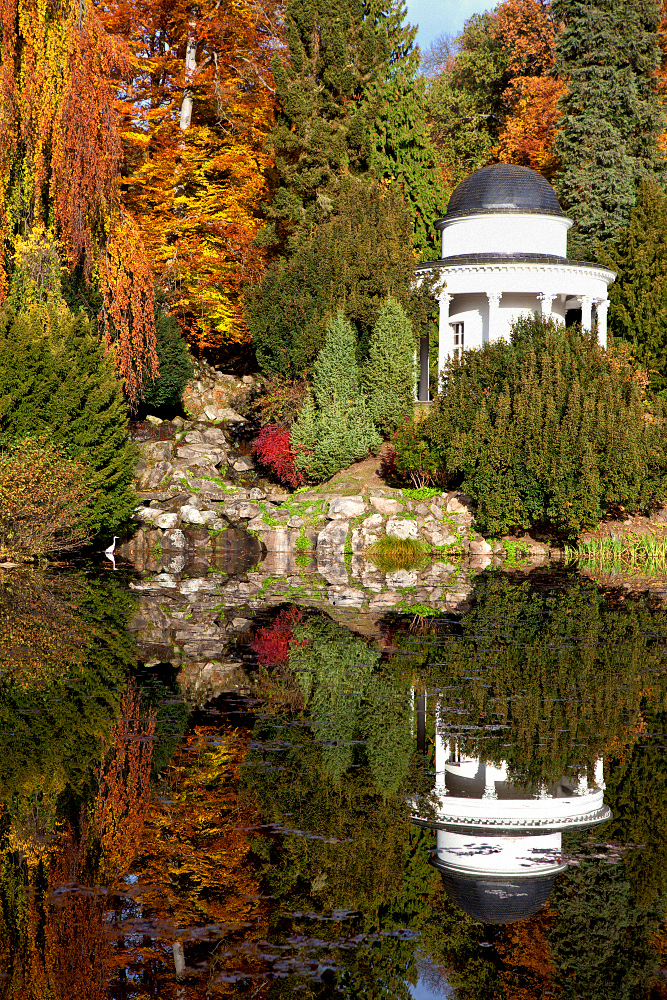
(497, 901)
(503, 187)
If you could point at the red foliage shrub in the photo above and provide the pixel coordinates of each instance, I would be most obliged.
(273, 449)
(271, 645)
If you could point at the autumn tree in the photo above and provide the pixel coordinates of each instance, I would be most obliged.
(195, 110)
(60, 160)
(527, 32)
(496, 97)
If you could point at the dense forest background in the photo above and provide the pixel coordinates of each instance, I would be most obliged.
(193, 159)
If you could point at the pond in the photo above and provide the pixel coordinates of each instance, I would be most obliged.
(214, 787)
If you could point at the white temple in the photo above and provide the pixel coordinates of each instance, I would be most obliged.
(504, 255)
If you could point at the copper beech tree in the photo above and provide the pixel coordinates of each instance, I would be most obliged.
(60, 162)
(196, 107)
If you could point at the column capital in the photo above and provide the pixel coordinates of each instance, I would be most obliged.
(546, 297)
(494, 298)
(445, 298)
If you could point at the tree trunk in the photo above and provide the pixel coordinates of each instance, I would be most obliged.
(190, 69)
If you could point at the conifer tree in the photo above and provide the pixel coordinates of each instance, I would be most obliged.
(336, 375)
(607, 55)
(341, 430)
(338, 49)
(355, 256)
(401, 149)
(638, 297)
(55, 378)
(389, 374)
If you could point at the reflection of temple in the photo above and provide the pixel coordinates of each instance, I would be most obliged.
(499, 844)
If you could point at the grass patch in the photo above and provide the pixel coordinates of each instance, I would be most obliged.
(423, 493)
(303, 559)
(516, 551)
(628, 554)
(303, 543)
(398, 553)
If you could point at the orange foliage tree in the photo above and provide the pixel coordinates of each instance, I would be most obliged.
(527, 32)
(196, 108)
(123, 776)
(196, 870)
(60, 160)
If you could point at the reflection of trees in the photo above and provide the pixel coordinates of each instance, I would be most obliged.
(561, 672)
(53, 714)
(602, 942)
(352, 702)
(194, 872)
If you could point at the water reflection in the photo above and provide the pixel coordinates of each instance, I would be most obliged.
(498, 845)
(471, 807)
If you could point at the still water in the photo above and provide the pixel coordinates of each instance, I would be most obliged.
(465, 805)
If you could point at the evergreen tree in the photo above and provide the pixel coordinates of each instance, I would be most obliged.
(389, 374)
(342, 431)
(401, 150)
(337, 49)
(607, 55)
(55, 377)
(638, 297)
(175, 366)
(355, 256)
(336, 375)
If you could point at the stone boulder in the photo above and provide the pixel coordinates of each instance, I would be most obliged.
(344, 507)
(403, 528)
(385, 505)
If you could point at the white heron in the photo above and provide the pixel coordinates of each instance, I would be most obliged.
(110, 550)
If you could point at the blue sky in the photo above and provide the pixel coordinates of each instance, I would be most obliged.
(434, 17)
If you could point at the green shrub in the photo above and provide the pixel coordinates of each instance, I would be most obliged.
(175, 366)
(45, 500)
(415, 456)
(56, 379)
(389, 375)
(549, 428)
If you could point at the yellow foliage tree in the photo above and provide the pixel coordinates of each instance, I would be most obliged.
(196, 111)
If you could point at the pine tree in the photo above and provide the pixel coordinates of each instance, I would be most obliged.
(327, 105)
(336, 375)
(55, 378)
(607, 55)
(389, 374)
(402, 152)
(638, 297)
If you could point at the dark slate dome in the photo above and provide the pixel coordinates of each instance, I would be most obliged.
(503, 187)
(497, 901)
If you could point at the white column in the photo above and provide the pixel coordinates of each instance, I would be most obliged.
(599, 773)
(494, 306)
(582, 783)
(441, 749)
(586, 312)
(546, 302)
(444, 335)
(603, 305)
(490, 782)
